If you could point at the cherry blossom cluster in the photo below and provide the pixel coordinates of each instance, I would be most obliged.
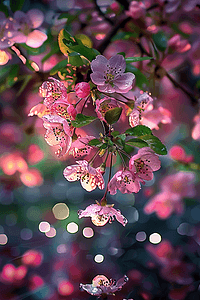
(61, 116)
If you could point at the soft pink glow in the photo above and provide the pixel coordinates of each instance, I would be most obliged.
(65, 288)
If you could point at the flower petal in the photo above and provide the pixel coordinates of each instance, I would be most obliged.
(99, 64)
(124, 82)
(117, 64)
(36, 38)
(98, 78)
(36, 17)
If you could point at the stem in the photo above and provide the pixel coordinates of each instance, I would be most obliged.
(122, 159)
(93, 158)
(84, 104)
(103, 200)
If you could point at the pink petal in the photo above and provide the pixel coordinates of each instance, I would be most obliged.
(99, 64)
(36, 17)
(124, 82)
(36, 38)
(118, 63)
(98, 78)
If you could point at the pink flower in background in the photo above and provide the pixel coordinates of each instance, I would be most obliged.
(109, 75)
(164, 204)
(28, 21)
(89, 177)
(31, 178)
(32, 258)
(35, 154)
(136, 10)
(100, 215)
(124, 181)
(173, 268)
(196, 128)
(177, 44)
(173, 188)
(82, 89)
(11, 274)
(80, 146)
(8, 31)
(104, 105)
(144, 163)
(58, 133)
(102, 285)
(178, 153)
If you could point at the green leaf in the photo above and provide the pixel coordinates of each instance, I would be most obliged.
(75, 45)
(26, 80)
(16, 5)
(34, 51)
(137, 143)
(75, 59)
(11, 79)
(62, 64)
(135, 59)
(82, 120)
(138, 131)
(141, 79)
(115, 133)
(113, 115)
(95, 142)
(155, 144)
(4, 9)
(160, 40)
(122, 53)
(4, 71)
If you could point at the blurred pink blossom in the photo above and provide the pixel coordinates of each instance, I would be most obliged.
(82, 89)
(136, 10)
(178, 153)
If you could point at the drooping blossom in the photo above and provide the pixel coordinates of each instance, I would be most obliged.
(196, 128)
(29, 27)
(136, 10)
(144, 163)
(178, 153)
(173, 188)
(145, 114)
(103, 286)
(82, 89)
(104, 105)
(58, 133)
(124, 181)
(89, 177)
(80, 146)
(102, 214)
(109, 75)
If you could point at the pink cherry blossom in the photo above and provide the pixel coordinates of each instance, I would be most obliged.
(109, 75)
(102, 285)
(144, 163)
(136, 10)
(58, 133)
(104, 105)
(80, 147)
(124, 181)
(82, 89)
(89, 177)
(102, 214)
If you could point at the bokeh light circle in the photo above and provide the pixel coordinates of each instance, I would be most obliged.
(72, 227)
(44, 226)
(99, 258)
(60, 211)
(88, 232)
(155, 238)
(3, 239)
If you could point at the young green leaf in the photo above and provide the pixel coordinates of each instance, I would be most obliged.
(82, 120)
(137, 143)
(62, 64)
(113, 115)
(135, 59)
(141, 79)
(155, 144)
(75, 59)
(16, 5)
(95, 142)
(138, 131)
(160, 40)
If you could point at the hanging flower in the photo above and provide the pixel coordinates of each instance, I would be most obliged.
(89, 177)
(144, 163)
(58, 133)
(103, 286)
(125, 181)
(109, 75)
(102, 214)
(80, 147)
